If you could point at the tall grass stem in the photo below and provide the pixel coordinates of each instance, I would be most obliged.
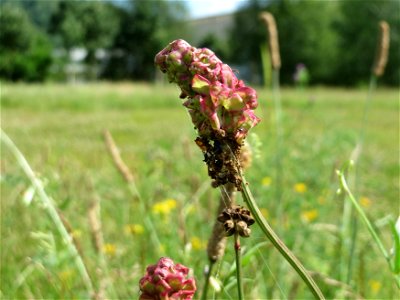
(207, 280)
(51, 210)
(238, 266)
(95, 224)
(277, 242)
(363, 216)
(367, 223)
(129, 178)
(278, 128)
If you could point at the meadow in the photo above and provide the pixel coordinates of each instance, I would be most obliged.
(59, 129)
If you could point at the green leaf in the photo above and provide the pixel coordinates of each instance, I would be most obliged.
(396, 246)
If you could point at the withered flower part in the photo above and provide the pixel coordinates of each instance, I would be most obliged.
(236, 219)
(220, 105)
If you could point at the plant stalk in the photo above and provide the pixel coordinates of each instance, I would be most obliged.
(207, 281)
(277, 242)
(129, 179)
(350, 226)
(238, 266)
(366, 221)
(278, 127)
(51, 210)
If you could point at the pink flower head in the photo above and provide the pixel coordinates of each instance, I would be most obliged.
(167, 281)
(218, 102)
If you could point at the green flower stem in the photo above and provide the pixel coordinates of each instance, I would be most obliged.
(276, 241)
(207, 281)
(349, 231)
(360, 211)
(278, 128)
(238, 266)
(51, 210)
(366, 221)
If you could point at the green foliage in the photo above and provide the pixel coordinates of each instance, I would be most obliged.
(211, 41)
(146, 27)
(59, 127)
(25, 51)
(246, 37)
(335, 40)
(40, 12)
(305, 36)
(88, 24)
(357, 29)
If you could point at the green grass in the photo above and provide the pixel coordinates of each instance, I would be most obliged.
(59, 130)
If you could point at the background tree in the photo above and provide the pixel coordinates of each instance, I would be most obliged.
(246, 36)
(145, 28)
(39, 12)
(305, 36)
(24, 50)
(211, 41)
(358, 32)
(88, 24)
(335, 40)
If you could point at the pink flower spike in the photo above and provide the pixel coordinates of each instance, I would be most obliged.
(212, 89)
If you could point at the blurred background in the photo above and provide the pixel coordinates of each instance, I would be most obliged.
(80, 41)
(70, 70)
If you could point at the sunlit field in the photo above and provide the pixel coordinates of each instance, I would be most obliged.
(59, 129)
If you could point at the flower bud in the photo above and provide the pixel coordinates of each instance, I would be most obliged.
(167, 280)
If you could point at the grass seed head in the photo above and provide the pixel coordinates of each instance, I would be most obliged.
(273, 42)
(382, 52)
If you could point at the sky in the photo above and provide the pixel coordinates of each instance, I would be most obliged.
(206, 8)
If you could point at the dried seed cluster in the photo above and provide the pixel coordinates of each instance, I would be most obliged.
(236, 219)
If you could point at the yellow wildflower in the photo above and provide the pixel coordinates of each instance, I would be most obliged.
(309, 215)
(375, 286)
(66, 275)
(109, 249)
(197, 244)
(134, 229)
(365, 201)
(266, 181)
(300, 188)
(76, 233)
(164, 207)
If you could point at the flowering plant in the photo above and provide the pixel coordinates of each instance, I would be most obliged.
(220, 105)
(167, 281)
(217, 101)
